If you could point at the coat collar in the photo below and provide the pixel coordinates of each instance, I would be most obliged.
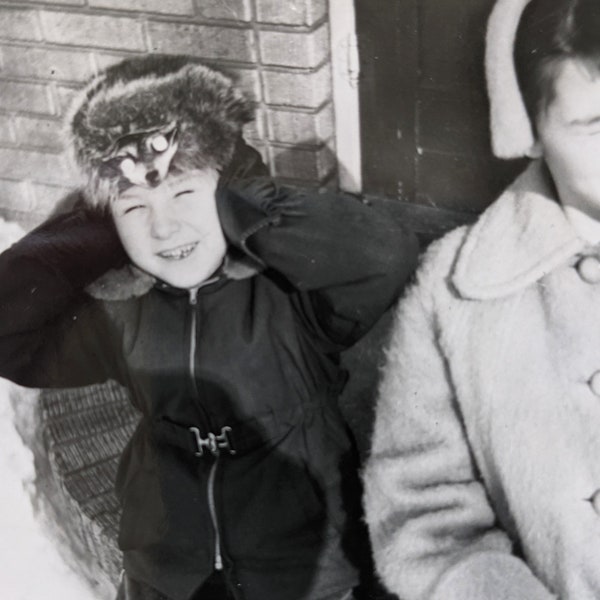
(516, 241)
(131, 282)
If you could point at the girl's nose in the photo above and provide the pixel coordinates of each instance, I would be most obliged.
(163, 225)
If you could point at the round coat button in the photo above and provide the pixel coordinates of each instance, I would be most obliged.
(595, 500)
(589, 269)
(594, 383)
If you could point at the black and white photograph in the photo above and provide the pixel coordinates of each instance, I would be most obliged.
(299, 299)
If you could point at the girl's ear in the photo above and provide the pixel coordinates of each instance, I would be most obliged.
(535, 151)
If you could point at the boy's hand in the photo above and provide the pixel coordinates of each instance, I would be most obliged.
(246, 162)
(245, 206)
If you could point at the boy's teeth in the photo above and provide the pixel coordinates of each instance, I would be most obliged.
(179, 253)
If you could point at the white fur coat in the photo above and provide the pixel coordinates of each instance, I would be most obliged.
(486, 453)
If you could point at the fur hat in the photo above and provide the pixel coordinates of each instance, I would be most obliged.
(141, 118)
(511, 130)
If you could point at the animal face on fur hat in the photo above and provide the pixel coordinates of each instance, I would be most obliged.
(145, 117)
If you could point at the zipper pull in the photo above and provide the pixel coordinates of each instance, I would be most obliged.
(193, 296)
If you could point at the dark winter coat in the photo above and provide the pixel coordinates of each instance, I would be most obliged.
(246, 373)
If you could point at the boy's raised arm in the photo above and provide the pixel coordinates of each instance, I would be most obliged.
(42, 306)
(348, 260)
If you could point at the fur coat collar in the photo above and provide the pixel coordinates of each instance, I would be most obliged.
(131, 282)
(519, 239)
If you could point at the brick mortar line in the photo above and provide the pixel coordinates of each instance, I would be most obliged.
(50, 150)
(168, 17)
(27, 114)
(86, 11)
(296, 70)
(259, 65)
(300, 145)
(108, 50)
(39, 80)
(299, 109)
(293, 29)
(45, 44)
(11, 180)
(233, 64)
(325, 61)
(34, 149)
(173, 20)
(49, 89)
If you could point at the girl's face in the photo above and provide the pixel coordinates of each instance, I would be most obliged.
(569, 136)
(173, 231)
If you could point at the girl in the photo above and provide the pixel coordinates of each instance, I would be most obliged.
(484, 479)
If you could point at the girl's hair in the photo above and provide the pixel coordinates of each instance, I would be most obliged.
(549, 32)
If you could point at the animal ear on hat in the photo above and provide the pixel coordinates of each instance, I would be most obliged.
(511, 130)
(143, 117)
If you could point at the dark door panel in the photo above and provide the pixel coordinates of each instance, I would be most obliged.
(424, 110)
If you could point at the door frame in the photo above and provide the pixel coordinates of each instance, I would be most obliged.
(345, 75)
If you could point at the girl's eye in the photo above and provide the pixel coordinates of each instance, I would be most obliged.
(183, 193)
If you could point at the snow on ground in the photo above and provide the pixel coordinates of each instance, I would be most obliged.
(31, 567)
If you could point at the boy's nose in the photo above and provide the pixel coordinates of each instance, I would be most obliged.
(163, 224)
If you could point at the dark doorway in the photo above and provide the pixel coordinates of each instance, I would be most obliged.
(424, 122)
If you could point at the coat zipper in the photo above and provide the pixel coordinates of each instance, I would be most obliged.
(213, 515)
(213, 469)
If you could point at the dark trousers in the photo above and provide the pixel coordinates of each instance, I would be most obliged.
(214, 588)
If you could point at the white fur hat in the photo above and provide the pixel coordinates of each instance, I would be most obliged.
(512, 133)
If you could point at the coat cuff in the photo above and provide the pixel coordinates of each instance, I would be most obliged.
(490, 576)
(78, 246)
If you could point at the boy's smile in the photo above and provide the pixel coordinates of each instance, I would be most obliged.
(179, 253)
(173, 231)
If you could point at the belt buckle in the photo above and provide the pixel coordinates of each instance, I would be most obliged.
(213, 443)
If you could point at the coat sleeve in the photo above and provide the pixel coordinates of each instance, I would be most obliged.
(433, 530)
(347, 261)
(51, 333)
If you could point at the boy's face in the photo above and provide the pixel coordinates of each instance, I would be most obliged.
(569, 136)
(173, 231)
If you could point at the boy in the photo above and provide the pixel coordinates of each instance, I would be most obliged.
(221, 301)
(483, 481)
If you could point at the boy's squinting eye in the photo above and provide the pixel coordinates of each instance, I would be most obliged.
(183, 193)
(130, 209)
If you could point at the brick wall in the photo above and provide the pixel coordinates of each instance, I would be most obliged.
(277, 49)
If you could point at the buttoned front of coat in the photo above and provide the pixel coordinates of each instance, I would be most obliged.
(483, 478)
